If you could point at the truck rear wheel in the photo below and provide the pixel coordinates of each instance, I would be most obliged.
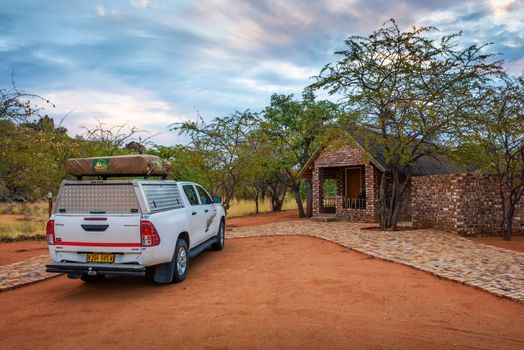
(221, 235)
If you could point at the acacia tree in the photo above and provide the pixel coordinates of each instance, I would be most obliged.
(18, 106)
(409, 90)
(188, 163)
(111, 140)
(263, 172)
(296, 129)
(223, 142)
(499, 130)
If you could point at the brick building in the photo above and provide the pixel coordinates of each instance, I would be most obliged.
(438, 196)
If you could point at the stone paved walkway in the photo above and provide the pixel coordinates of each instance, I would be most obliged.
(24, 272)
(495, 270)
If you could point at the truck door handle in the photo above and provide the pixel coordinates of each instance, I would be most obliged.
(193, 213)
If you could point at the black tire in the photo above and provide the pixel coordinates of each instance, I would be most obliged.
(180, 259)
(90, 279)
(221, 236)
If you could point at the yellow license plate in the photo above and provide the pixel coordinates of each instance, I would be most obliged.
(101, 258)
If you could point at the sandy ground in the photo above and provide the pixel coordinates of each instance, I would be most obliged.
(516, 243)
(19, 251)
(11, 219)
(266, 293)
(265, 218)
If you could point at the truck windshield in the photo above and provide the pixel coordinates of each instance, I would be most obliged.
(97, 199)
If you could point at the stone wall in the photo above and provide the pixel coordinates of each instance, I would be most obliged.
(466, 204)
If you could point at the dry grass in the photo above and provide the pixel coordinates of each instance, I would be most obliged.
(22, 220)
(27, 220)
(241, 207)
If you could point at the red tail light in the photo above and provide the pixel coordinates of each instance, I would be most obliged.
(148, 234)
(50, 232)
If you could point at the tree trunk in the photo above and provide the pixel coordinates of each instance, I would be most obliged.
(309, 203)
(389, 206)
(509, 221)
(275, 192)
(296, 193)
(256, 201)
(382, 202)
(503, 203)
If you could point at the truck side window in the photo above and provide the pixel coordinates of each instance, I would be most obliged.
(204, 197)
(191, 195)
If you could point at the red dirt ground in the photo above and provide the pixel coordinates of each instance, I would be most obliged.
(19, 251)
(11, 218)
(265, 218)
(264, 293)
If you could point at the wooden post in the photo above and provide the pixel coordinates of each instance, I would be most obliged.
(50, 202)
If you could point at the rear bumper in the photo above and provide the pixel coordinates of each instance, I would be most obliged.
(97, 269)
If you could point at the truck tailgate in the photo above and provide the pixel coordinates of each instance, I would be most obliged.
(100, 233)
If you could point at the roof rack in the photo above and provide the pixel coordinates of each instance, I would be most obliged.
(105, 177)
(134, 165)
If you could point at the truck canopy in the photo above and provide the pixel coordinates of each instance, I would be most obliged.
(115, 197)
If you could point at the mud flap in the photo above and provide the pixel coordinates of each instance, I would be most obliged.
(164, 272)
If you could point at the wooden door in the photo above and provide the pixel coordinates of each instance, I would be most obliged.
(353, 183)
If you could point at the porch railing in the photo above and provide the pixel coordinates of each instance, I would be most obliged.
(354, 203)
(351, 203)
(329, 202)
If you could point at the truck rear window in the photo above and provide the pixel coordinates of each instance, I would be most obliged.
(97, 199)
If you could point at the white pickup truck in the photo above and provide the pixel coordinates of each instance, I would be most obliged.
(122, 227)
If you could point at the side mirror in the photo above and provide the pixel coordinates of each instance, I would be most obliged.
(217, 199)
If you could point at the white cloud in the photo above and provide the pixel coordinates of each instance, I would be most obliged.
(101, 10)
(256, 85)
(515, 67)
(132, 107)
(506, 14)
(140, 3)
(287, 70)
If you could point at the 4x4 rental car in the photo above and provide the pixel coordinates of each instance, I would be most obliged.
(121, 227)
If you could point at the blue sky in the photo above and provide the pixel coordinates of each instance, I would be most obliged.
(153, 63)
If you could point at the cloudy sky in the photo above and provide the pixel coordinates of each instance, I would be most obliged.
(153, 63)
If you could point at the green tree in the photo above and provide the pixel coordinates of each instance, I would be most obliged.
(189, 164)
(410, 90)
(296, 129)
(33, 158)
(499, 131)
(264, 171)
(224, 145)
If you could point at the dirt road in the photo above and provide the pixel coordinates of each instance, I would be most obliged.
(19, 251)
(266, 293)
